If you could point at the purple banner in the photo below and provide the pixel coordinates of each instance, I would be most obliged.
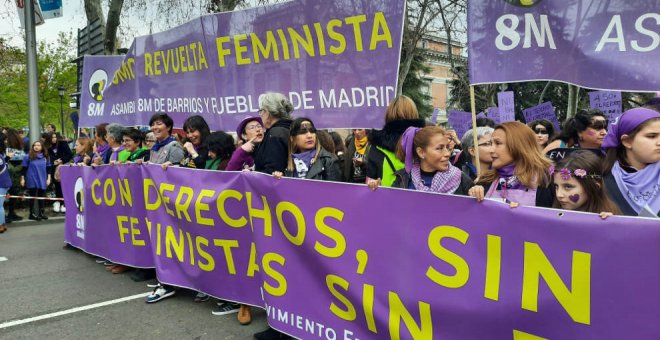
(328, 256)
(609, 102)
(460, 121)
(494, 114)
(608, 45)
(506, 106)
(337, 63)
(543, 111)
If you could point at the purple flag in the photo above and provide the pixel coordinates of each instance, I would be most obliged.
(460, 121)
(543, 111)
(609, 102)
(506, 106)
(337, 64)
(609, 45)
(319, 254)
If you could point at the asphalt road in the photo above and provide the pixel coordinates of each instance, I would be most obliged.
(42, 284)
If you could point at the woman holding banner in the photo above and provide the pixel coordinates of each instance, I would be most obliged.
(382, 162)
(426, 154)
(519, 171)
(307, 159)
(196, 148)
(632, 165)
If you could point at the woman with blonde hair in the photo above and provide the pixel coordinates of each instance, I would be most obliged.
(519, 171)
(382, 163)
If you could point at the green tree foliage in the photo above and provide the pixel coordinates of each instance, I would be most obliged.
(528, 94)
(54, 70)
(414, 86)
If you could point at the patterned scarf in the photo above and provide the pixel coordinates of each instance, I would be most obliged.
(303, 162)
(361, 145)
(641, 189)
(445, 182)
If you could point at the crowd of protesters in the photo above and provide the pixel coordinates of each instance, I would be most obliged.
(592, 165)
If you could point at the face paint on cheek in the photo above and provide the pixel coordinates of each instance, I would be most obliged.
(574, 198)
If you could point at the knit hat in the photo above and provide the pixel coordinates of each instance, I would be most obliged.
(240, 130)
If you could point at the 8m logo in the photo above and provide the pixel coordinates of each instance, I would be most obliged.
(98, 83)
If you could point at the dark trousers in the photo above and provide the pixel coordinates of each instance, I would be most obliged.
(36, 206)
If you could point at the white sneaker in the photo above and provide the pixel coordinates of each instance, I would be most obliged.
(62, 208)
(56, 206)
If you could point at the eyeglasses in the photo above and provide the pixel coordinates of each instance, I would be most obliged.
(151, 141)
(489, 143)
(261, 111)
(253, 126)
(541, 131)
(304, 131)
(598, 124)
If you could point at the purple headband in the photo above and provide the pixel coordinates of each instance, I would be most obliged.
(407, 144)
(625, 123)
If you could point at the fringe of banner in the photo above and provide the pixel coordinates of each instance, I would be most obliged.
(36, 198)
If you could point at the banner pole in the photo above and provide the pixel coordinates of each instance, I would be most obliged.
(475, 140)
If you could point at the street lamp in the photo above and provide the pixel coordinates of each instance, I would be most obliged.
(61, 91)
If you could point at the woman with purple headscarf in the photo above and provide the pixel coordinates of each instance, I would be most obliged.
(426, 153)
(632, 166)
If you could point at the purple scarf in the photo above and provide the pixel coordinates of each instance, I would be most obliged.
(160, 144)
(642, 188)
(303, 162)
(445, 182)
(101, 149)
(507, 177)
(115, 153)
(77, 159)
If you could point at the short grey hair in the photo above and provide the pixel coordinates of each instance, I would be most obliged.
(115, 131)
(468, 141)
(277, 105)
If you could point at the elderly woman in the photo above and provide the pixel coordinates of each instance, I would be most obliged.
(469, 154)
(275, 113)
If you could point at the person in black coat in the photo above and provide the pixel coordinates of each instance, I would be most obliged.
(272, 153)
(60, 153)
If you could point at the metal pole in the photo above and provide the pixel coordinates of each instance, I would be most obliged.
(62, 116)
(33, 89)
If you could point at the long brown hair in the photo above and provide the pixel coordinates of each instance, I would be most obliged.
(531, 166)
(619, 153)
(592, 183)
(33, 155)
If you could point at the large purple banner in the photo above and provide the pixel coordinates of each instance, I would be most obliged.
(333, 260)
(609, 45)
(336, 60)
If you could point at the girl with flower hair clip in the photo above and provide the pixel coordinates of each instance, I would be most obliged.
(578, 183)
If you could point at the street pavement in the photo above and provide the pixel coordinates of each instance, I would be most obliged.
(47, 291)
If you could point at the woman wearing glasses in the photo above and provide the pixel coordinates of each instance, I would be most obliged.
(251, 133)
(469, 154)
(544, 131)
(584, 131)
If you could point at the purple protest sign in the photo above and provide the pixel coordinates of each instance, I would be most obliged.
(337, 64)
(481, 115)
(434, 115)
(576, 42)
(494, 114)
(608, 102)
(321, 260)
(543, 111)
(460, 121)
(506, 106)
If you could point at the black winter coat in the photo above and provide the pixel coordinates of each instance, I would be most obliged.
(387, 138)
(273, 152)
